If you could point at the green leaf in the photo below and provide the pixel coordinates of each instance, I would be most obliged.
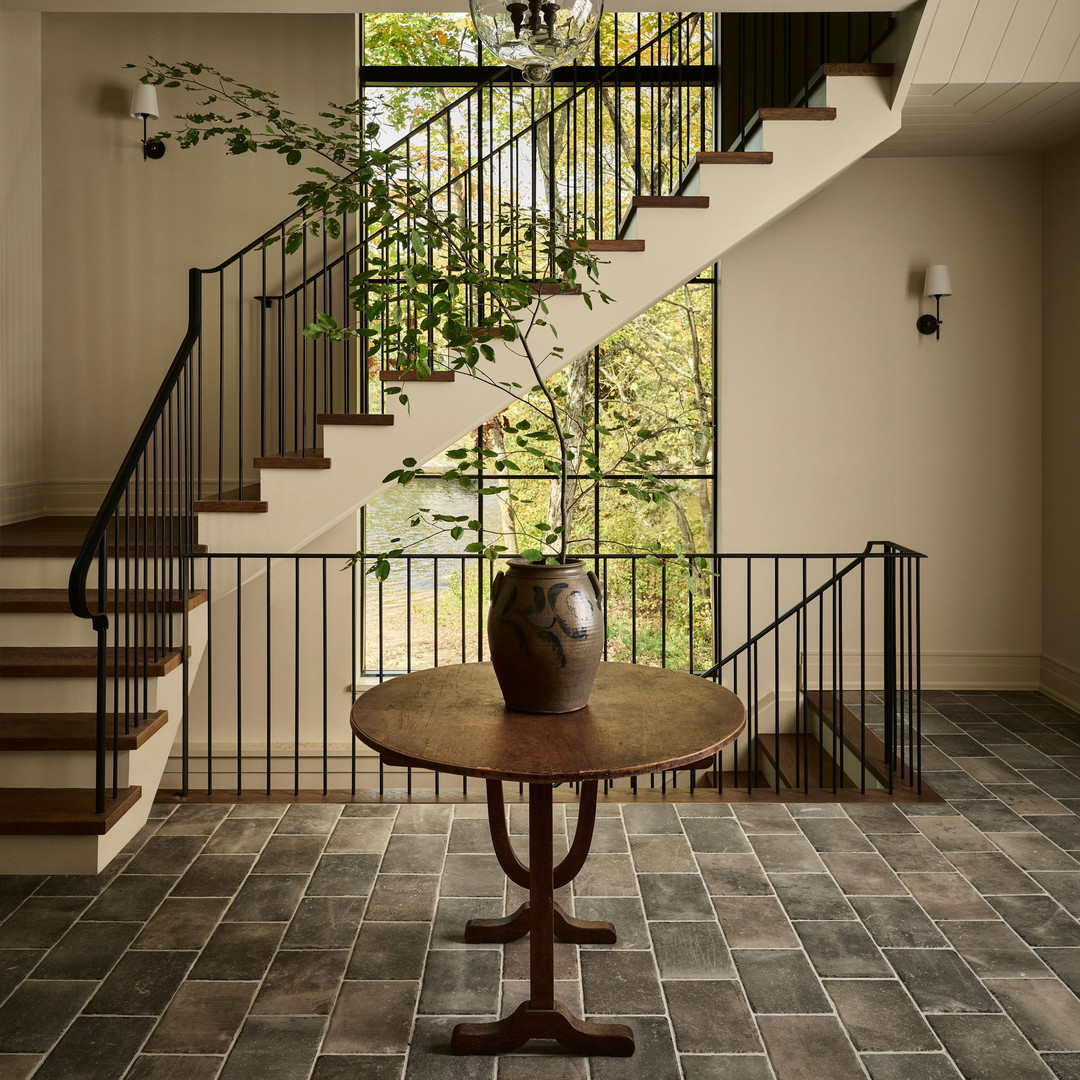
(532, 554)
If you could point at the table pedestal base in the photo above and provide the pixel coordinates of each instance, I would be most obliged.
(567, 928)
(558, 1023)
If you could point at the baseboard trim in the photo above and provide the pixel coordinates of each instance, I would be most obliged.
(946, 670)
(22, 501)
(1061, 682)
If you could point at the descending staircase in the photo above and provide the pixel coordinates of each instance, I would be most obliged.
(48, 726)
(48, 822)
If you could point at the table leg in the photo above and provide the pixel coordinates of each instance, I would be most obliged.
(542, 1017)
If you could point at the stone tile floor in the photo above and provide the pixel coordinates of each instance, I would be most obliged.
(323, 942)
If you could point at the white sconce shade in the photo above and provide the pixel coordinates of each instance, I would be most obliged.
(937, 281)
(144, 104)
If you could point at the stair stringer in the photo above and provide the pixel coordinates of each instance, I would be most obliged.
(679, 244)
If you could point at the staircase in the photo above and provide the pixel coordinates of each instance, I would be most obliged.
(58, 811)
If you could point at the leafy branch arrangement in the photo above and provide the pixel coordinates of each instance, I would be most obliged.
(431, 292)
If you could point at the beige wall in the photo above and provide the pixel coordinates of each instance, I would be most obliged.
(21, 454)
(842, 424)
(1061, 417)
(120, 233)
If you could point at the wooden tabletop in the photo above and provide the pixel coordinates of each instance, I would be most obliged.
(639, 719)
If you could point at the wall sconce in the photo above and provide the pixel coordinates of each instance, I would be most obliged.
(144, 104)
(937, 286)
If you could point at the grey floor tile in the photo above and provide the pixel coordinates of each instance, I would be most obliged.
(624, 912)
(312, 819)
(991, 816)
(40, 922)
(994, 950)
(240, 836)
(897, 922)
(623, 978)
(987, 770)
(37, 1012)
(703, 809)
(403, 897)
(326, 922)
(1065, 964)
(609, 836)
(691, 950)
(361, 835)
(957, 784)
(650, 818)
(654, 1055)
(429, 1058)
(910, 852)
(780, 981)
(418, 818)
(415, 854)
(953, 834)
(461, 981)
(754, 922)
(166, 855)
(516, 961)
(874, 818)
(734, 875)
(283, 1047)
(181, 924)
(694, 1008)
(290, 855)
(273, 811)
(359, 1066)
(390, 810)
(940, 981)
(202, 1018)
(87, 951)
(344, 875)
(141, 984)
(834, 834)
(910, 1067)
(860, 874)
(993, 873)
(389, 950)
(1064, 1066)
(726, 1067)
(1064, 831)
(989, 1048)
(470, 835)
(96, 1048)
(947, 896)
(663, 854)
(1039, 920)
(786, 853)
(471, 875)
(842, 950)
(15, 965)
(811, 896)
(1045, 1010)
(1026, 798)
(606, 875)
(194, 819)
(214, 875)
(175, 1067)
(238, 951)
(1033, 851)
(453, 913)
(765, 818)
(809, 1048)
(534, 1067)
(680, 897)
(371, 1017)
(76, 884)
(878, 1015)
(267, 898)
(723, 835)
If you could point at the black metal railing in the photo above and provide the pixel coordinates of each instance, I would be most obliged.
(289, 652)
(246, 385)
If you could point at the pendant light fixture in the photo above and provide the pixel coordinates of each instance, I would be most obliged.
(536, 36)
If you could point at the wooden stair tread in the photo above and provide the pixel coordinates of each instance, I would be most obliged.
(555, 288)
(309, 459)
(55, 601)
(411, 376)
(71, 731)
(872, 70)
(734, 157)
(79, 662)
(780, 113)
(61, 811)
(355, 419)
(62, 537)
(671, 202)
(792, 753)
(615, 245)
(827, 705)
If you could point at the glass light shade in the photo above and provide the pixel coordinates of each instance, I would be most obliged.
(536, 36)
(937, 281)
(144, 102)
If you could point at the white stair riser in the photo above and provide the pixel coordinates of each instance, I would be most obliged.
(36, 572)
(34, 628)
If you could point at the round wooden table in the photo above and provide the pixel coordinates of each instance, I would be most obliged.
(639, 720)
